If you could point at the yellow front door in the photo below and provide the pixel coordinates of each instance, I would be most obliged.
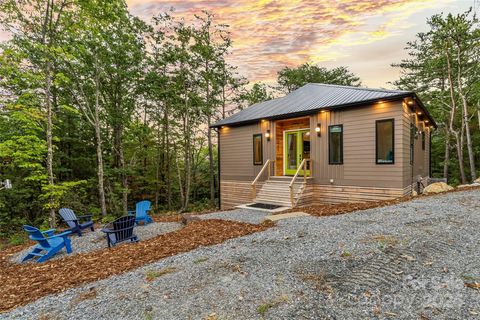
(297, 148)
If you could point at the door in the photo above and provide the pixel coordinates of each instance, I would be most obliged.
(297, 148)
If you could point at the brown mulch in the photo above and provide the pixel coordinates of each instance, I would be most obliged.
(342, 208)
(24, 283)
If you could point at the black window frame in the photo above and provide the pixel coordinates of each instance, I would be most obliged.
(261, 149)
(392, 120)
(330, 145)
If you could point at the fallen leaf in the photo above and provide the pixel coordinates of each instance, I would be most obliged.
(473, 285)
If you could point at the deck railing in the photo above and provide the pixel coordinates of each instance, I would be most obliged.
(266, 166)
(302, 166)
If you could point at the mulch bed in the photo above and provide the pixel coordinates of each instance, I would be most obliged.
(342, 208)
(24, 283)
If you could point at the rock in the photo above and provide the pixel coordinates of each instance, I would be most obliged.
(189, 218)
(437, 187)
(414, 193)
(464, 186)
(477, 181)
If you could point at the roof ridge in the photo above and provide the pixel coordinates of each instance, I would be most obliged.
(355, 88)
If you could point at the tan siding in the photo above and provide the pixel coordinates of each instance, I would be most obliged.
(236, 150)
(358, 179)
(359, 167)
(421, 166)
(341, 194)
(234, 193)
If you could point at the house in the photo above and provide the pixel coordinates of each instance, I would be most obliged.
(325, 144)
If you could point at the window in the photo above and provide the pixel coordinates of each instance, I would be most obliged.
(385, 141)
(257, 149)
(335, 144)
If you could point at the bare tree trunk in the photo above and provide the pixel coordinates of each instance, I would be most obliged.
(167, 159)
(452, 118)
(465, 120)
(447, 154)
(478, 113)
(124, 181)
(180, 186)
(51, 183)
(100, 174)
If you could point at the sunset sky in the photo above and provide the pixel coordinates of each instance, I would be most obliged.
(366, 36)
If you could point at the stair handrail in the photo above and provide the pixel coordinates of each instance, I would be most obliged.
(302, 166)
(254, 183)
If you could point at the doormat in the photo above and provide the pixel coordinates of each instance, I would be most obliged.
(264, 206)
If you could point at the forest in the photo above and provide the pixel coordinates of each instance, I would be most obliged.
(100, 109)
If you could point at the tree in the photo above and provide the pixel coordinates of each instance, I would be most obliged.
(290, 79)
(258, 93)
(443, 69)
(36, 26)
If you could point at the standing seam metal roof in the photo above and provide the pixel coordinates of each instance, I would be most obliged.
(310, 98)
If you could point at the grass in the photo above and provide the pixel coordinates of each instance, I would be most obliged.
(264, 307)
(16, 240)
(383, 240)
(200, 260)
(153, 274)
(345, 254)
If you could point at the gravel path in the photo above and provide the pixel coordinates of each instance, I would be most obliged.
(90, 241)
(408, 261)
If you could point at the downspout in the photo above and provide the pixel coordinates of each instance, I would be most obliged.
(430, 153)
(218, 167)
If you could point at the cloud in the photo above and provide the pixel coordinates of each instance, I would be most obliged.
(268, 35)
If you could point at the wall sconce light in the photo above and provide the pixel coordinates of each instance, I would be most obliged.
(317, 130)
(267, 135)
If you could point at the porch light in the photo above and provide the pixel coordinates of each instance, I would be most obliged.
(426, 121)
(267, 135)
(317, 130)
(419, 113)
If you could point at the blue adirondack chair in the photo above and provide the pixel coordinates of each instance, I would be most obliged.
(120, 230)
(73, 221)
(48, 243)
(141, 212)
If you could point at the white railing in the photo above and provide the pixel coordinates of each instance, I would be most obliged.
(254, 183)
(302, 166)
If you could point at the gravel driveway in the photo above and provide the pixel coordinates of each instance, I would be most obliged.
(408, 261)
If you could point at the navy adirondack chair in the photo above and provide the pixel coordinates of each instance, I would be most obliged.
(73, 221)
(141, 212)
(120, 230)
(48, 243)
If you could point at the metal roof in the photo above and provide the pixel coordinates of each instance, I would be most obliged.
(311, 98)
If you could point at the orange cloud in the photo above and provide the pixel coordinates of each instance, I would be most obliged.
(268, 35)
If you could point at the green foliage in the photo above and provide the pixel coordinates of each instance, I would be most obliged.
(129, 106)
(290, 79)
(258, 93)
(444, 69)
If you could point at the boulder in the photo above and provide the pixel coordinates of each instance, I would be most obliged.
(437, 187)
(414, 193)
(477, 181)
(189, 218)
(464, 186)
